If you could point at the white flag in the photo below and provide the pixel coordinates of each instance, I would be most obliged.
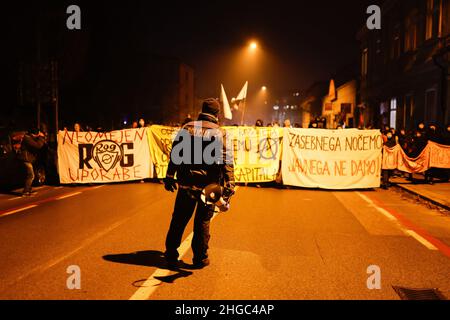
(243, 94)
(226, 106)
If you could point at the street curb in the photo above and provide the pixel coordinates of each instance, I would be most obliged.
(435, 202)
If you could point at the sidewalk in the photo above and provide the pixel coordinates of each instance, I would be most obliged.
(438, 193)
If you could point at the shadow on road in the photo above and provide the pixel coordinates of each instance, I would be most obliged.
(151, 258)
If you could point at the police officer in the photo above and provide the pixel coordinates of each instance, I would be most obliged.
(192, 176)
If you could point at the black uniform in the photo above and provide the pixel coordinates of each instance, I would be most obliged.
(192, 178)
(402, 137)
(386, 173)
(434, 134)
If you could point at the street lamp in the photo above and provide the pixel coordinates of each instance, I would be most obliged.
(253, 46)
(264, 88)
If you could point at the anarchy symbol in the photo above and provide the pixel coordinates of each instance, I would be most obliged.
(268, 149)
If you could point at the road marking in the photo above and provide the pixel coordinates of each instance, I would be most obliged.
(7, 213)
(409, 228)
(15, 198)
(419, 238)
(98, 186)
(38, 202)
(379, 209)
(151, 284)
(68, 195)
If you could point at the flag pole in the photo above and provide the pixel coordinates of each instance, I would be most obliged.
(243, 111)
(243, 93)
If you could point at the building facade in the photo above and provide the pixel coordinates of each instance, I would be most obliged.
(163, 92)
(338, 107)
(404, 73)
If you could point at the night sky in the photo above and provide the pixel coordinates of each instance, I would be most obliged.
(300, 42)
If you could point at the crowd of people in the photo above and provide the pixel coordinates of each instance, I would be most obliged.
(413, 142)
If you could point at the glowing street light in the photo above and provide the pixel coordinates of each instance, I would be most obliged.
(253, 46)
(264, 88)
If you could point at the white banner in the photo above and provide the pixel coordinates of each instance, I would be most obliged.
(332, 159)
(97, 157)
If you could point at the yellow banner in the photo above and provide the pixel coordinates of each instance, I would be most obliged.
(257, 153)
(160, 140)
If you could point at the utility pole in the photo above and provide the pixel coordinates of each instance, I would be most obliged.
(244, 102)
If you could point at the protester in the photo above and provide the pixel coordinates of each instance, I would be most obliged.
(134, 125)
(31, 143)
(434, 134)
(191, 180)
(141, 123)
(422, 130)
(418, 142)
(323, 121)
(259, 123)
(77, 127)
(312, 124)
(287, 123)
(390, 142)
(402, 138)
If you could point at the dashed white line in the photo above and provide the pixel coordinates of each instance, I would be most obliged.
(379, 209)
(18, 210)
(68, 195)
(409, 232)
(151, 284)
(422, 240)
(15, 198)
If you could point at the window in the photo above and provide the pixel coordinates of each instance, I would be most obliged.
(364, 60)
(393, 114)
(396, 44)
(409, 111)
(346, 108)
(434, 21)
(410, 33)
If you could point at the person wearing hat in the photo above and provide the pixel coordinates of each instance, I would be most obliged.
(31, 143)
(192, 176)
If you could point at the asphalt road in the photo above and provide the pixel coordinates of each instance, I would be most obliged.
(272, 244)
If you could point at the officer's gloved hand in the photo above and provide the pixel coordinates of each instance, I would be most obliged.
(170, 184)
